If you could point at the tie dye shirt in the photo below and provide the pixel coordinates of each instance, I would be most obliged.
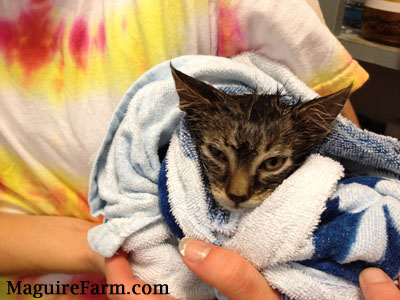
(64, 65)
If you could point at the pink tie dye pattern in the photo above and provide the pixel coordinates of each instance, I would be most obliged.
(32, 39)
(230, 35)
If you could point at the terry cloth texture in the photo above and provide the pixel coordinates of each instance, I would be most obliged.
(310, 238)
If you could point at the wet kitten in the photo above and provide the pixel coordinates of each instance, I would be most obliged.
(250, 143)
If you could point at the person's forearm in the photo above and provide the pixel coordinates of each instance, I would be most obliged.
(349, 113)
(45, 244)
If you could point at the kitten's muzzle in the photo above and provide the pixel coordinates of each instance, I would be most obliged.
(238, 198)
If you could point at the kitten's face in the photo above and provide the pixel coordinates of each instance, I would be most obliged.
(250, 143)
(245, 163)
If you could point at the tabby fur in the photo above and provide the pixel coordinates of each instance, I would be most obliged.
(250, 143)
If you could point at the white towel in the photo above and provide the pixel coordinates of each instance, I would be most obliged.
(310, 238)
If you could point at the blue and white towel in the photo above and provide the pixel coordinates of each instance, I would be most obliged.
(334, 216)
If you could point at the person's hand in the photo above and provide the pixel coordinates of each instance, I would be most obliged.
(119, 273)
(224, 269)
(376, 285)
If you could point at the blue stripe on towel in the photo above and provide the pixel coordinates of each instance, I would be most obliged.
(333, 241)
(189, 149)
(370, 181)
(284, 297)
(364, 147)
(236, 89)
(392, 256)
(335, 238)
(165, 206)
(331, 211)
(350, 271)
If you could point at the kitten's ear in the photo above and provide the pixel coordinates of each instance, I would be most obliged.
(194, 95)
(325, 108)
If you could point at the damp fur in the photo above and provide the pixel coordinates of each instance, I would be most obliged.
(250, 143)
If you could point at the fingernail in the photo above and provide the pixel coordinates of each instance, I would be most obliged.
(193, 250)
(373, 276)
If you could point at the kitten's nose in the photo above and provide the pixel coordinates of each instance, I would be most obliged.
(239, 187)
(238, 198)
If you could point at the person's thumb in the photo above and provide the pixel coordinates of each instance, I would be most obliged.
(225, 270)
(375, 284)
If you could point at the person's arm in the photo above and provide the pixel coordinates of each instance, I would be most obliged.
(349, 113)
(46, 244)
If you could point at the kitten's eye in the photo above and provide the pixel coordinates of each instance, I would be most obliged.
(218, 154)
(273, 163)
